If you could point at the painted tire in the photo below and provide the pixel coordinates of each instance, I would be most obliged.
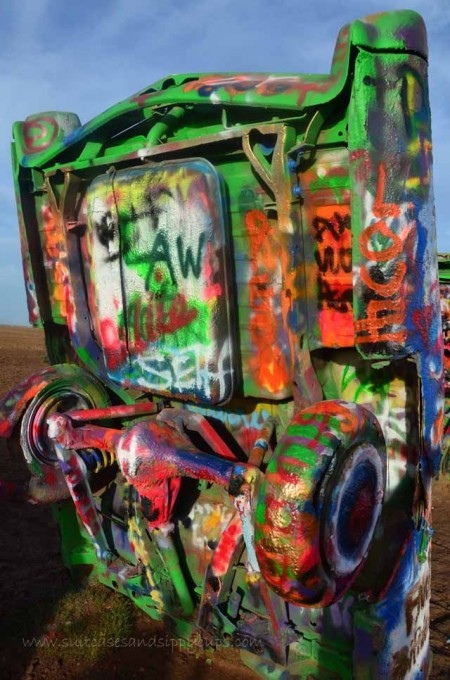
(70, 388)
(320, 501)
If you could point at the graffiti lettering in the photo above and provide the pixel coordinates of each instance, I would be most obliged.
(410, 657)
(333, 256)
(334, 260)
(185, 371)
(380, 245)
(334, 297)
(186, 259)
(107, 231)
(416, 604)
(160, 252)
(155, 317)
(331, 228)
(336, 225)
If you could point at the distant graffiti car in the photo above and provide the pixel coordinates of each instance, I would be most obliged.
(444, 282)
(237, 279)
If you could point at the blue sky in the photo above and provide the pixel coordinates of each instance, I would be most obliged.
(85, 56)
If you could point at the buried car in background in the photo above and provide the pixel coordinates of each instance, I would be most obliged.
(237, 279)
(444, 284)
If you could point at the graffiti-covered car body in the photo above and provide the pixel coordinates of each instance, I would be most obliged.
(237, 279)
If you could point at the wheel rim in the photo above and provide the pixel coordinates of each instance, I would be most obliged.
(352, 506)
(36, 444)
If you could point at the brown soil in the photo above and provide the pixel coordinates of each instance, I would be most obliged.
(33, 579)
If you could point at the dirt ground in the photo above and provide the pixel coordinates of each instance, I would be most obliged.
(32, 577)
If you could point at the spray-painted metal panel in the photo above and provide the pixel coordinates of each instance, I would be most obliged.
(158, 267)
